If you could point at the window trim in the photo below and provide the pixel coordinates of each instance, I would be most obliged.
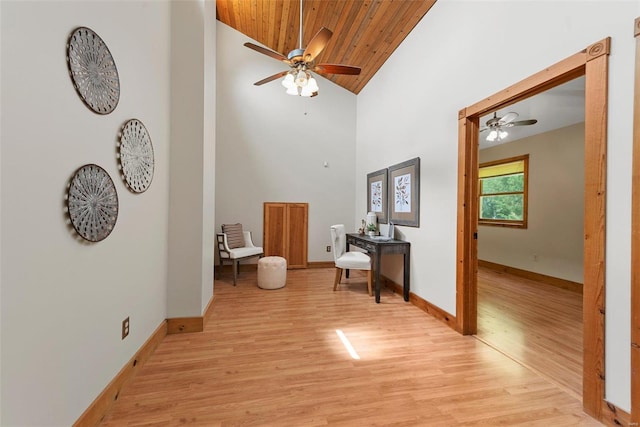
(525, 194)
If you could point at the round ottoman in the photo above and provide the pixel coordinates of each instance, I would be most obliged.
(272, 272)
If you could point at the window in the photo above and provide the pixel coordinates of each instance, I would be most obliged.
(503, 192)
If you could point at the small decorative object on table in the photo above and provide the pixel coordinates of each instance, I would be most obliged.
(371, 229)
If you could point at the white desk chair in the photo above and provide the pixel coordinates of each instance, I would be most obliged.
(350, 260)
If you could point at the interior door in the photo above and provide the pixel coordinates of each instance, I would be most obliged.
(297, 225)
(274, 236)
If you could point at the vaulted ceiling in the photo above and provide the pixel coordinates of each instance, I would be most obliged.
(365, 32)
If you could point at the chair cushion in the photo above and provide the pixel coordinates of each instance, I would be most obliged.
(244, 252)
(235, 238)
(355, 260)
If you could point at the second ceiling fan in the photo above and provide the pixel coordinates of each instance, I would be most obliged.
(298, 79)
(497, 124)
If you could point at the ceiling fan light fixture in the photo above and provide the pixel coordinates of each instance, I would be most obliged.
(311, 89)
(493, 135)
(288, 81)
(302, 78)
(312, 84)
(300, 61)
(502, 134)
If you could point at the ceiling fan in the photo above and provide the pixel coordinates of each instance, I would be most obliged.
(496, 125)
(298, 79)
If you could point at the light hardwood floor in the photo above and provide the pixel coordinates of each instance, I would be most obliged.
(537, 324)
(273, 358)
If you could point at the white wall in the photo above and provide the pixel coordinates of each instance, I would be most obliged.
(271, 147)
(451, 54)
(191, 205)
(63, 299)
(552, 244)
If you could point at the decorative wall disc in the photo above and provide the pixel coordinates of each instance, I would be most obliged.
(136, 156)
(92, 202)
(93, 71)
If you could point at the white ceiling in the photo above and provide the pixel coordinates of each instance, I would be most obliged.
(556, 108)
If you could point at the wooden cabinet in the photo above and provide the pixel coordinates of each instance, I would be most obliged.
(286, 232)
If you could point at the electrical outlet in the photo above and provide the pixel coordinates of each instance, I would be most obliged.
(125, 328)
(328, 248)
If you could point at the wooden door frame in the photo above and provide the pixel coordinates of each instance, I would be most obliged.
(592, 62)
(635, 241)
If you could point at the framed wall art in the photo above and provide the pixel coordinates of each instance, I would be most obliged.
(377, 194)
(404, 194)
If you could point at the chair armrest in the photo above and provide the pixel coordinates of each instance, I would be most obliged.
(223, 244)
(248, 242)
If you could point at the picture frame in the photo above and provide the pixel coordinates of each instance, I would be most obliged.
(404, 194)
(377, 194)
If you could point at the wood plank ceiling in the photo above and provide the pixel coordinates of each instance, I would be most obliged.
(365, 32)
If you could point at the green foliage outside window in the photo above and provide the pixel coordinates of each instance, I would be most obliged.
(503, 192)
(497, 199)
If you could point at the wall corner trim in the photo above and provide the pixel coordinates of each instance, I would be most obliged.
(614, 416)
(184, 325)
(424, 305)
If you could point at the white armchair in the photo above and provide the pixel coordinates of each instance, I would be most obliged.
(241, 247)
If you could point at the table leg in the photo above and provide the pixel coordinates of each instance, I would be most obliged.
(376, 277)
(346, 269)
(407, 275)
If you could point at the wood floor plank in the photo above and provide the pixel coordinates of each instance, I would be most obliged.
(537, 324)
(273, 358)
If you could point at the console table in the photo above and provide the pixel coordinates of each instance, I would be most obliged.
(377, 248)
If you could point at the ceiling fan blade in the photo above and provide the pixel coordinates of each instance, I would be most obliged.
(337, 69)
(483, 129)
(271, 78)
(268, 52)
(524, 122)
(317, 43)
(507, 118)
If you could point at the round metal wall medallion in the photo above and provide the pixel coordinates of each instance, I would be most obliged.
(136, 156)
(93, 71)
(92, 202)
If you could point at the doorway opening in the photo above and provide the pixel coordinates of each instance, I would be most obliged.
(593, 64)
(530, 234)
